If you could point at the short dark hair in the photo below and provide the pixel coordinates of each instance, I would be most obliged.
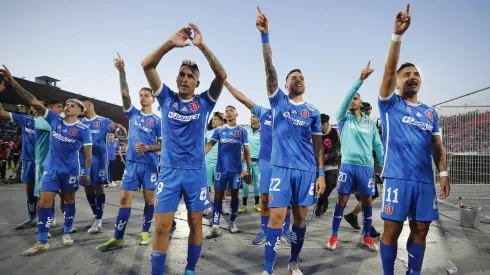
(292, 71)
(1, 78)
(405, 65)
(366, 106)
(324, 118)
(231, 107)
(219, 115)
(87, 99)
(52, 102)
(40, 99)
(147, 90)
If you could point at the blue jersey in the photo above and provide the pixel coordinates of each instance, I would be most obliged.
(145, 129)
(99, 126)
(65, 143)
(112, 148)
(293, 124)
(230, 142)
(28, 135)
(265, 117)
(407, 131)
(183, 128)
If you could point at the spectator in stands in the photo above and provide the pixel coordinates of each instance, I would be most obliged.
(4, 155)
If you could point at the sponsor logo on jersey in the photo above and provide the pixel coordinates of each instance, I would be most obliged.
(388, 209)
(73, 132)
(63, 138)
(429, 115)
(412, 121)
(184, 109)
(268, 122)
(183, 118)
(194, 106)
(95, 131)
(30, 131)
(229, 140)
(358, 128)
(305, 113)
(238, 133)
(296, 121)
(419, 114)
(97, 124)
(150, 122)
(175, 105)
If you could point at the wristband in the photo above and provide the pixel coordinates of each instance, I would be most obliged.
(397, 38)
(321, 172)
(265, 37)
(86, 170)
(443, 174)
(248, 168)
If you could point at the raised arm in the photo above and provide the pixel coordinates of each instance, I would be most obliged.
(28, 97)
(240, 96)
(218, 70)
(121, 128)
(150, 63)
(388, 83)
(262, 24)
(126, 99)
(209, 146)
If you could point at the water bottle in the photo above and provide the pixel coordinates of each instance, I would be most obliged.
(451, 268)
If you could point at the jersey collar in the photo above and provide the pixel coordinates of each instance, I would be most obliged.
(296, 103)
(231, 127)
(95, 117)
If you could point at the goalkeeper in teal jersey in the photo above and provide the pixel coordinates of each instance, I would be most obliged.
(358, 136)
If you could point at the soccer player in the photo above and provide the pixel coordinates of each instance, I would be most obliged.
(141, 160)
(113, 148)
(62, 168)
(253, 132)
(412, 138)
(231, 138)
(26, 123)
(331, 160)
(265, 117)
(358, 135)
(297, 156)
(100, 127)
(183, 170)
(212, 156)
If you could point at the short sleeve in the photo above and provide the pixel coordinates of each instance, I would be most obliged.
(51, 116)
(108, 123)
(385, 104)
(316, 125)
(215, 136)
(163, 93)
(436, 131)
(19, 118)
(244, 137)
(208, 101)
(86, 137)
(277, 97)
(118, 146)
(259, 111)
(131, 112)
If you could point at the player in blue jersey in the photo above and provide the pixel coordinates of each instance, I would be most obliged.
(412, 139)
(265, 117)
(141, 160)
(62, 167)
(359, 136)
(297, 156)
(231, 138)
(113, 148)
(183, 170)
(26, 123)
(100, 127)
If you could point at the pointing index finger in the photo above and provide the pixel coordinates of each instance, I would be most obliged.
(118, 56)
(369, 63)
(408, 8)
(259, 10)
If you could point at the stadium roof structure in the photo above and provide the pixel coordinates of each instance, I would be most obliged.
(47, 92)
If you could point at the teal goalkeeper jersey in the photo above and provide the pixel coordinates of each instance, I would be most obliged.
(253, 141)
(43, 133)
(358, 138)
(212, 155)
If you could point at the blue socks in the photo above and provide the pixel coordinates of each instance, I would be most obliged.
(158, 262)
(388, 257)
(367, 219)
(234, 209)
(31, 205)
(287, 222)
(264, 221)
(193, 252)
(91, 201)
(54, 206)
(271, 246)
(99, 202)
(121, 222)
(44, 222)
(415, 257)
(218, 205)
(338, 214)
(69, 217)
(298, 238)
(147, 217)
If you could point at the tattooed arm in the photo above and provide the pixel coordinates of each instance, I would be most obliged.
(262, 24)
(28, 97)
(126, 99)
(4, 114)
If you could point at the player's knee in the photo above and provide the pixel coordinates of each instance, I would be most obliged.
(276, 220)
(124, 202)
(342, 200)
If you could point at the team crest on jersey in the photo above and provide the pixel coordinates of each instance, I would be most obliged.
(155, 203)
(175, 105)
(73, 132)
(409, 110)
(429, 115)
(194, 106)
(366, 121)
(338, 185)
(388, 209)
(305, 113)
(97, 124)
(271, 198)
(238, 133)
(150, 122)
